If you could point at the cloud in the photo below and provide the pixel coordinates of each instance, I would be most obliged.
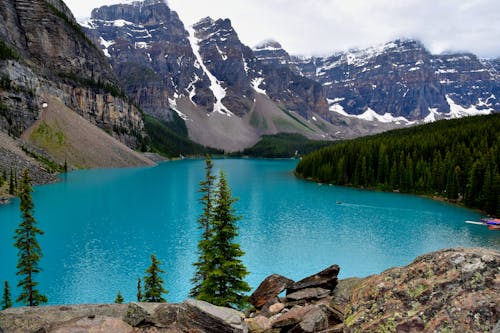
(324, 26)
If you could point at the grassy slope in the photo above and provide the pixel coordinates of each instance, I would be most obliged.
(64, 135)
(171, 138)
(284, 145)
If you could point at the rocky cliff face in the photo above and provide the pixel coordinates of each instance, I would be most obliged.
(54, 57)
(402, 82)
(454, 290)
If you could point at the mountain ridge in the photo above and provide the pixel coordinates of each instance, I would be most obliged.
(196, 72)
(353, 93)
(403, 79)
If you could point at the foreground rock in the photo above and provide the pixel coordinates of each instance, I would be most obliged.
(268, 290)
(190, 316)
(326, 279)
(455, 290)
(306, 308)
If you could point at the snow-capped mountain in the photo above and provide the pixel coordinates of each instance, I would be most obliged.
(204, 70)
(151, 53)
(229, 94)
(402, 82)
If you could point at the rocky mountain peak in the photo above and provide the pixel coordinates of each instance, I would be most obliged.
(149, 49)
(226, 62)
(206, 21)
(401, 82)
(270, 44)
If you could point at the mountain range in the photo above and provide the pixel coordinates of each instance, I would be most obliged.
(206, 70)
(136, 71)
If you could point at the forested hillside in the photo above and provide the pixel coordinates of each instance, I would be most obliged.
(456, 159)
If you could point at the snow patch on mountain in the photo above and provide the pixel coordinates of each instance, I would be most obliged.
(458, 111)
(371, 115)
(173, 105)
(432, 116)
(106, 44)
(368, 115)
(215, 86)
(256, 84)
(222, 54)
(339, 109)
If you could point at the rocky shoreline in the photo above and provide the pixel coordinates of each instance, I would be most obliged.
(452, 290)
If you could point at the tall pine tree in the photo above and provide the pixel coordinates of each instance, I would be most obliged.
(205, 221)
(139, 290)
(7, 297)
(29, 251)
(153, 283)
(224, 284)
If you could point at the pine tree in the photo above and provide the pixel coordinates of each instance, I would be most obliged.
(153, 283)
(119, 298)
(139, 290)
(2, 178)
(205, 221)
(224, 284)
(29, 251)
(7, 297)
(12, 188)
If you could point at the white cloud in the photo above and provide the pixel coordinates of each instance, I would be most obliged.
(323, 26)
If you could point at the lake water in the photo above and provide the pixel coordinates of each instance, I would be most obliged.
(102, 225)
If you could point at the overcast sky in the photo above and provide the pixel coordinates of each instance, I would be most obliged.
(320, 27)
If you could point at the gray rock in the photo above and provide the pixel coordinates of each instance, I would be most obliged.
(98, 324)
(314, 321)
(136, 315)
(308, 294)
(259, 324)
(42, 319)
(292, 317)
(268, 290)
(326, 279)
(211, 318)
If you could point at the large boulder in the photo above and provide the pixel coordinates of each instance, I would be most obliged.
(308, 294)
(454, 290)
(210, 318)
(48, 318)
(309, 318)
(98, 324)
(268, 290)
(326, 279)
(259, 324)
(190, 316)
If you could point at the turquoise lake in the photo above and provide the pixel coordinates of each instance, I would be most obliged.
(102, 225)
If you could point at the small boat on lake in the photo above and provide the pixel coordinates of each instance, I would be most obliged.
(491, 223)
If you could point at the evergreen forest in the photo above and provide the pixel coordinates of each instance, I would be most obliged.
(455, 159)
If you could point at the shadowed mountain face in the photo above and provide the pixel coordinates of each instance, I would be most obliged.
(46, 59)
(52, 56)
(403, 79)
